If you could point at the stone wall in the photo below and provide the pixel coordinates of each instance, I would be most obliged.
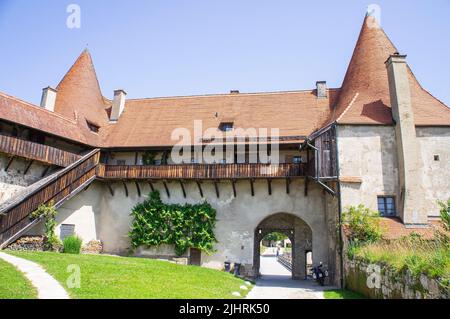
(14, 180)
(387, 284)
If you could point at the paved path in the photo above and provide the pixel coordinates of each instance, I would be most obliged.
(276, 283)
(47, 287)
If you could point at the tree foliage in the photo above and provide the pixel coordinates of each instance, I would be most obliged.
(275, 236)
(184, 226)
(48, 212)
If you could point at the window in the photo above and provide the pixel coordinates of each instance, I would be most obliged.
(436, 157)
(386, 205)
(297, 160)
(121, 162)
(226, 126)
(93, 127)
(66, 230)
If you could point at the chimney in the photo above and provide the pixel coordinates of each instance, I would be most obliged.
(409, 196)
(321, 89)
(48, 98)
(118, 104)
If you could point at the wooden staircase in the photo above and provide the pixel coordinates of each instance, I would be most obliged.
(59, 187)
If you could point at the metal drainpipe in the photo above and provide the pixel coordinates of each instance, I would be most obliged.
(341, 244)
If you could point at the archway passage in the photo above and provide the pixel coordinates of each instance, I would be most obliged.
(275, 258)
(300, 237)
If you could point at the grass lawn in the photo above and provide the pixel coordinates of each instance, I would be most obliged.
(127, 277)
(13, 284)
(342, 294)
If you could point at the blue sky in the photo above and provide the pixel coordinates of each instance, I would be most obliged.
(165, 48)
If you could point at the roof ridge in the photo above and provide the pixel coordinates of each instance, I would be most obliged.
(227, 94)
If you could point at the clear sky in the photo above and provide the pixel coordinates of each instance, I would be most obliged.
(164, 48)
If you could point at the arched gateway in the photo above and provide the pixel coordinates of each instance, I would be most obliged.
(298, 232)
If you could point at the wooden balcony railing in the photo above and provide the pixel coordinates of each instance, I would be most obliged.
(35, 151)
(200, 171)
(15, 214)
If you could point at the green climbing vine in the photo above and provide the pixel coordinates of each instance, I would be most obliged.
(184, 226)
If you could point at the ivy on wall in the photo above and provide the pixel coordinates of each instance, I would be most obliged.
(184, 226)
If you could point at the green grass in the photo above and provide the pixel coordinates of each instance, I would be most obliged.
(13, 284)
(341, 294)
(417, 255)
(127, 277)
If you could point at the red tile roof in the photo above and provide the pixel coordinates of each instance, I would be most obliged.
(363, 99)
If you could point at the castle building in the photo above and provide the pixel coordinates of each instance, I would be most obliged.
(380, 140)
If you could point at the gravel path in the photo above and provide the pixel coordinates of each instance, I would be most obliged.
(276, 283)
(47, 287)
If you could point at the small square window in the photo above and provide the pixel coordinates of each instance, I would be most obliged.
(436, 157)
(386, 205)
(226, 126)
(297, 160)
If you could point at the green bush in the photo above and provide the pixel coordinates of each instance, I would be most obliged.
(362, 224)
(184, 226)
(72, 245)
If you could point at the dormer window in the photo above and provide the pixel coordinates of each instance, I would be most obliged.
(93, 127)
(226, 126)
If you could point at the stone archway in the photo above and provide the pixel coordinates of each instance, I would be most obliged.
(298, 232)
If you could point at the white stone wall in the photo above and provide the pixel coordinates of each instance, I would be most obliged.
(435, 174)
(367, 152)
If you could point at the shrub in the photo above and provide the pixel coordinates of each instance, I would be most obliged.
(72, 244)
(362, 224)
(48, 213)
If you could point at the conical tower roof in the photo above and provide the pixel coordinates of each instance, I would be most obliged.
(364, 96)
(79, 96)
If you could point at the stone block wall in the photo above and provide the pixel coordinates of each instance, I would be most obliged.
(362, 278)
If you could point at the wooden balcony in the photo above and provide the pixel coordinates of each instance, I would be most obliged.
(199, 171)
(35, 151)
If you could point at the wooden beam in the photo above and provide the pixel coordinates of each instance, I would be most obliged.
(28, 167)
(182, 188)
(233, 184)
(136, 159)
(45, 171)
(217, 188)
(167, 189)
(199, 185)
(150, 183)
(11, 159)
(288, 181)
(126, 188)
(252, 188)
(269, 186)
(110, 189)
(306, 185)
(138, 188)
